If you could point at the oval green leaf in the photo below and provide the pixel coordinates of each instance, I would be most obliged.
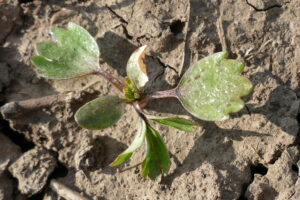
(178, 123)
(136, 68)
(100, 113)
(157, 162)
(212, 88)
(75, 54)
(137, 143)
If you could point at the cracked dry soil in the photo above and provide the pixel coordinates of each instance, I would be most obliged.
(253, 155)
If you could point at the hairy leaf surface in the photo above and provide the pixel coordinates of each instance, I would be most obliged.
(211, 89)
(100, 113)
(75, 53)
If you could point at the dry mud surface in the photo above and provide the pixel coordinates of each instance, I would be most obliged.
(253, 155)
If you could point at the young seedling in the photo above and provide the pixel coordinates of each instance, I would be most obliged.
(209, 90)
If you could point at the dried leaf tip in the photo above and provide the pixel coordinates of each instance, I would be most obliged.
(142, 53)
(136, 68)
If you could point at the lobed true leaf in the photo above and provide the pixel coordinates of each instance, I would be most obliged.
(75, 53)
(212, 88)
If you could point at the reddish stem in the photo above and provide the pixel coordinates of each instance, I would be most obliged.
(116, 82)
(163, 94)
(157, 95)
(143, 102)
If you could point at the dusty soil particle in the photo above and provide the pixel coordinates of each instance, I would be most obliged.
(9, 152)
(10, 15)
(260, 189)
(89, 154)
(32, 170)
(281, 180)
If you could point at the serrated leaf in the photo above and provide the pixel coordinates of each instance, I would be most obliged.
(157, 161)
(75, 54)
(212, 88)
(178, 123)
(136, 68)
(100, 113)
(137, 143)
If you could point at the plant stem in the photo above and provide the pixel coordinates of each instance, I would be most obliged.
(139, 110)
(116, 82)
(157, 95)
(163, 94)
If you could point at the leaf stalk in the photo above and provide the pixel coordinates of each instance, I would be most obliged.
(113, 80)
(163, 94)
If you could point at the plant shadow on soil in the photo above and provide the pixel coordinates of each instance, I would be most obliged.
(116, 50)
(279, 104)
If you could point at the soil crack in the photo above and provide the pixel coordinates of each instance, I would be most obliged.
(158, 75)
(125, 31)
(263, 9)
(123, 22)
(147, 36)
(164, 68)
(132, 10)
(297, 141)
(16, 137)
(167, 66)
(254, 169)
(116, 14)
